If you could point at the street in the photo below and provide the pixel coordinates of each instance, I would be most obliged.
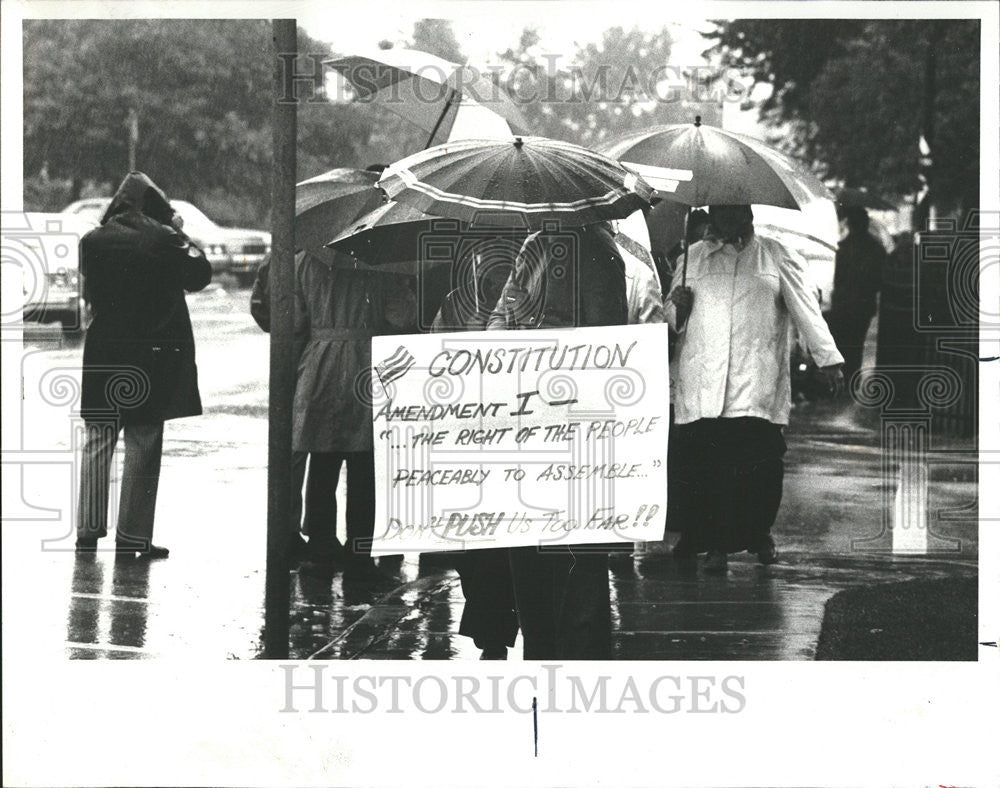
(206, 600)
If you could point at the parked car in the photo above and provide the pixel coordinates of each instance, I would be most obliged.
(231, 250)
(47, 246)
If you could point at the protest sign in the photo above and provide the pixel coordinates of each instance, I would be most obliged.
(502, 439)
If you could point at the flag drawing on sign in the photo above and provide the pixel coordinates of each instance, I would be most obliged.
(394, 367)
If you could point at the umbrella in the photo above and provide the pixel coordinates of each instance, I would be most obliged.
(849, 197)
(436, 94)
(397, 234)
(328, 202)
(702, 165)
(530, 180)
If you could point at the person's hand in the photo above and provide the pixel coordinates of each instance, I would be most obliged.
(834, 377)
(683, 299)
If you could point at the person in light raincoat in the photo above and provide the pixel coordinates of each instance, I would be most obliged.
(337, 312)
(731, 383)
(138, 361)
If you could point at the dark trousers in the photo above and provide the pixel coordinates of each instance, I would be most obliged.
(321, 504)
(729, 475)
(488, 616)
(849, 328)
(563, 602)
(139, 482)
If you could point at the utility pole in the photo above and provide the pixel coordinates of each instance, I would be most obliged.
(132, 131)
(282, 360)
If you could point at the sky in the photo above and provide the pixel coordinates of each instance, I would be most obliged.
(483, 29)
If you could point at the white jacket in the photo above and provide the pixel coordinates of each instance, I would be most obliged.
(732, 356)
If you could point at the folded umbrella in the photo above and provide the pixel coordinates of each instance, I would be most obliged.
(522, 180)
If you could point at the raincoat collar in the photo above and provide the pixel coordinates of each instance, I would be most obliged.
(714, 242)
(138, 193)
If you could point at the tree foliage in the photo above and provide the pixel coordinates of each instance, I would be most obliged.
(622, 83)
(201, 91)
(854, 91)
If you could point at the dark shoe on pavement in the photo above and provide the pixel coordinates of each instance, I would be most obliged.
(768, 553)
(494, 652)
(125, 550)
(716, 563)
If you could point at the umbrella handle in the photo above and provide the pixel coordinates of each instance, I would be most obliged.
(447, 106)
(684, 268)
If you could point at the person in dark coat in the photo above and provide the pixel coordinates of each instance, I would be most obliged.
(856, 282)
(488, 617)
(138, 360)
(569, 277)
(337, 312)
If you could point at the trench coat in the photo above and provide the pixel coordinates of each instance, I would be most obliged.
(139, 357)
(337, 312)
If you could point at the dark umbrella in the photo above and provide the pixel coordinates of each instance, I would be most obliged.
(327, 203)
(849, 197)
(425, 89)
(523, 180)
(397, 233)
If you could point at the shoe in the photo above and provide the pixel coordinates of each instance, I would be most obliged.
(768, 553)
(150, 551)
(86, 545)
(494, 652)
(716, 563)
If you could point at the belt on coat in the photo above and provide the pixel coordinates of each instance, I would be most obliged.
(339, 333)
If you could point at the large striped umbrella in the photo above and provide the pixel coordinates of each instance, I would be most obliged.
(523, 180)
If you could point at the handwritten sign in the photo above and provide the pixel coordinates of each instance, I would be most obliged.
(514, 438)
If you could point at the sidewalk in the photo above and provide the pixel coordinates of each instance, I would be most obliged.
(829, 532)
(205, 601)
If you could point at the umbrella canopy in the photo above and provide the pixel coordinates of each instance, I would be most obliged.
(407, 239)
(327, 203)
(703, 165)
(849, 197)
(522, 180)
(427, 90)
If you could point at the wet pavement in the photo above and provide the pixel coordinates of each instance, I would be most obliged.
(205, 601)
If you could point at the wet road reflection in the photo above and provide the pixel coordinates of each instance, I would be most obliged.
(108, 623)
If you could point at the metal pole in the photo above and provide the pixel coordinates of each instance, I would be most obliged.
(282, 369)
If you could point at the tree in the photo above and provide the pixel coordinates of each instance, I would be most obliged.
(855, 95)
(621, 84)
(200, 90)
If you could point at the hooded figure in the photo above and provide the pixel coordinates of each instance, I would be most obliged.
(138, 360)
(136, 267)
